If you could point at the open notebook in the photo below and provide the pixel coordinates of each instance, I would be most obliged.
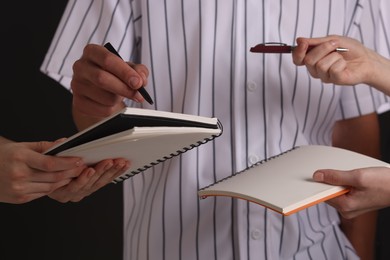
(145, 137)
(284, 182)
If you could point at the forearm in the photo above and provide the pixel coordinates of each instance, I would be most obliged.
(361, 232)
(360, 135)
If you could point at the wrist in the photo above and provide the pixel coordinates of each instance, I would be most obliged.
(379, 73)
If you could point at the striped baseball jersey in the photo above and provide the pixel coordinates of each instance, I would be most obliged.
(198, 55)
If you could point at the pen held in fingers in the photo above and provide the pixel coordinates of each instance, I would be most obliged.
(141, 90)
(338, 49)
(273, 47)
(145, 95)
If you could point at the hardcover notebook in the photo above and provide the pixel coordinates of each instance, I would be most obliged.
(145, 137)
(284, 182)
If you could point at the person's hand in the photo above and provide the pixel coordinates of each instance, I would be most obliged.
(90, 180)
(26, 174)
(101, 81)
(369, 189)
(323, 62)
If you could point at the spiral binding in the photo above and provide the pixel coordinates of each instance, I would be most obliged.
(167, 157)
(250, 167)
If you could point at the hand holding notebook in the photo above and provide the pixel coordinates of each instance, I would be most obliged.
(284, 182)
(145, 137)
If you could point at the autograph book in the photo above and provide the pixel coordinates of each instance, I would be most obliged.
(284, 182)
(143, 136)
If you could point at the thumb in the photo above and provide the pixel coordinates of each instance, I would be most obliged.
(45, 145)
(41, 146)
(333, 177)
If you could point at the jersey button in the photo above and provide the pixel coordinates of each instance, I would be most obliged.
(256, 234)
(251, 86)
(253, 158)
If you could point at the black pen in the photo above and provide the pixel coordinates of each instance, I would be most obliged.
(141, 90)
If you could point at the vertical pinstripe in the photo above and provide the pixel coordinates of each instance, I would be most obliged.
(197, 52)
(214, 234)
(198, 237)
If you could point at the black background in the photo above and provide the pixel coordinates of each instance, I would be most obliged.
(33, 108)
(383, 228)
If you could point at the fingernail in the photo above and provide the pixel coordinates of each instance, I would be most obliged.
(79, 163)
(318, 176)
(108, 166)
(90, 173)
(134, 81)
(120, 165)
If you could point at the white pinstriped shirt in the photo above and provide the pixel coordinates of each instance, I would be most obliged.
(198, 55)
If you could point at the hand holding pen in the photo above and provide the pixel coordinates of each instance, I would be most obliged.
(101, 82)
(141, 90)
(334, 59)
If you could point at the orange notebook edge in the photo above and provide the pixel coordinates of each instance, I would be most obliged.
(331, 196)
(288, 213)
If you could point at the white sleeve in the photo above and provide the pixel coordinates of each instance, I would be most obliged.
(86, 22)
(371, 31)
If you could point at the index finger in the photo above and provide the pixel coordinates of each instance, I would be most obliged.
(299, 52)
(49, 163)
(317, 40)
(113, 64)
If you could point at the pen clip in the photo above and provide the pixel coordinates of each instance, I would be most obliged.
(272, 47)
